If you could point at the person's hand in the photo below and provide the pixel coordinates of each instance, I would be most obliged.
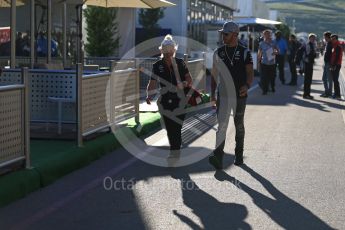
(243, 91)
(148, 100)
(180, 85)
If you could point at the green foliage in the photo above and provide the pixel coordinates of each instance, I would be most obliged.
(285, 29)
(101, 29)
(316, 16)
(148, 18)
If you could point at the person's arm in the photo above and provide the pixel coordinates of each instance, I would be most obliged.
(214, 77)
(150, 90)
(151, 86)
(249, 73)
(188, 80)
(337, 54)
(259, 55)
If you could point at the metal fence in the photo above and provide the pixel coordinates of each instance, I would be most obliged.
(197, 69)
(105, 99)
(45, 86)
(14, 123)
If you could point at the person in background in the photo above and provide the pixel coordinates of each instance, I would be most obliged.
(326, 76)
(307, 53)
(243, 41)
(232, 67)
(293, 47)
(280, 57)
(164, 72)
(335, 64)
(266, 58)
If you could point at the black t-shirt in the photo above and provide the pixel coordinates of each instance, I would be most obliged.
(170, 99)
(166, 76)
(235, 58)
(328, 53)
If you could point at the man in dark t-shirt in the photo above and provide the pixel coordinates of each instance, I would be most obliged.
(233, 74)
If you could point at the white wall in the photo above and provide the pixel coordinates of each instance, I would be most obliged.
(126, 27)
(175, 18)
(252, 8)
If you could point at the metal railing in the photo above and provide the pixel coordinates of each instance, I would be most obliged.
(197, 69)
(15, 123)
(105, 99)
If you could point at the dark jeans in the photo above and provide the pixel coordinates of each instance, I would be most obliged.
(280, 61)
(174, 131)
(173, 116)
(223, 116)
(308, 77)
(293, 71)
(335, 78)
(327, 79)
(267, 76)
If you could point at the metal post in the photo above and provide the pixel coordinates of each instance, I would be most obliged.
(26, 101)
(64, 34)
(111, 95)
(248, 42)
(49, 31)
(13, 33)
(204, 82)
(32, 34)
(79, 106)
(253, 39)
(137, 91)
(185, 58)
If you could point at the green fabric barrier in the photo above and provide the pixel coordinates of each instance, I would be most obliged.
(16, 185)
(52, 159)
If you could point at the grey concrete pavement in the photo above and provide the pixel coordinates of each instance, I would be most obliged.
(293, 177)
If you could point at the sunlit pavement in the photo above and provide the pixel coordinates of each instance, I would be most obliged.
(293, 177)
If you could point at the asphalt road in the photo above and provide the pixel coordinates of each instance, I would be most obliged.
(293, 177)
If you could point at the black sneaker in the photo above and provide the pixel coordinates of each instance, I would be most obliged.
(308, 97)
(216, 162)
(238, 159)
(324, 95)
(238, 162)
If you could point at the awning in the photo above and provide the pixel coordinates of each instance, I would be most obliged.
(252, 20)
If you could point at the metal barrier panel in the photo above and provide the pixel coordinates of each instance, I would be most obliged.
(11, 123)
(25, 61)
(125, 95)
(10, 77)
(147, 64)
(101, 61)
(45, 84)
(94, 102)
(198, 72)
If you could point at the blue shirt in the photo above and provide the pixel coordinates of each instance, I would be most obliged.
(282, 46)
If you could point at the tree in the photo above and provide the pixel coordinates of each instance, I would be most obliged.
(284, 28)
(148, 19)
(101, 29)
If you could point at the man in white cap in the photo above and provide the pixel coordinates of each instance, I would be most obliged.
(233, 75)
